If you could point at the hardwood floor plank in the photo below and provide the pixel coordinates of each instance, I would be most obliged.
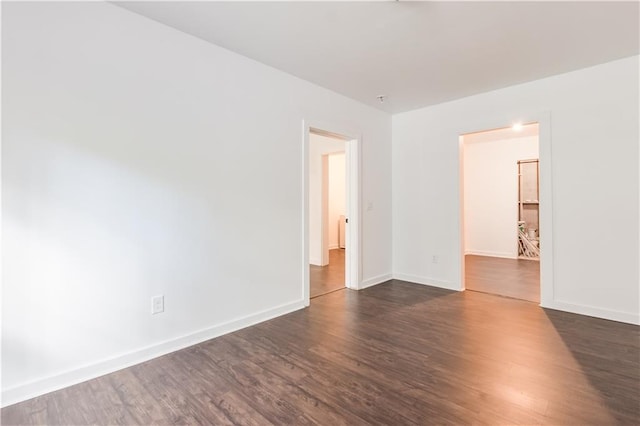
(517, 278)
(325, 279)
(239, 411)
(397, 353)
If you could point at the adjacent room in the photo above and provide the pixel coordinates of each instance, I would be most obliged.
(327, 212)
(334, 213)
(501, 187)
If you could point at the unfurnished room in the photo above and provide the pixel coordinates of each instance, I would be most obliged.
(331, 213)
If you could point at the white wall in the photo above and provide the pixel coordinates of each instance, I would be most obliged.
(594, 138)
(138, 160)
(337, 196)
(491, 192)
(319, 146)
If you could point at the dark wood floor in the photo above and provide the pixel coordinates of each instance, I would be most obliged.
(325, 279)
(517, 278)
(394, 354)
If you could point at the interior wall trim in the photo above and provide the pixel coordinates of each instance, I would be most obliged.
(428, 281)
(87, 372)
(503, 255)
(592, 311)
(370, 282)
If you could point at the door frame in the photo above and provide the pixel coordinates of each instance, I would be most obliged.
(353, 238)
(546, 193)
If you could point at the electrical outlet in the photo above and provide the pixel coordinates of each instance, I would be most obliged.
(157, 304)
(435, 258)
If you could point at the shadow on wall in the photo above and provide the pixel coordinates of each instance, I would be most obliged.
(592, 345)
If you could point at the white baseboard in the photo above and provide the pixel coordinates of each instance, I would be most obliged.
(503, 255)
(427, 281)
(315, 262)
(68, 378)
(369, 282)
(593, 311)
(626, 317)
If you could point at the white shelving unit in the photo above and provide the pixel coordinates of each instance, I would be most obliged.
(528, 209)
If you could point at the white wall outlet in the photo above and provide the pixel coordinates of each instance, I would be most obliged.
(435, 258)
(370, 206)
(157, 304)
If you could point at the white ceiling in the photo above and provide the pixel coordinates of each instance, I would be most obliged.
(416, 53)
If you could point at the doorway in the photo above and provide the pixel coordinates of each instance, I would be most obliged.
(501, 211)
(331, 212)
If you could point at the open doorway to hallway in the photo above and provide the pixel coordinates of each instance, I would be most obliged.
(501, 206)
(327, 212)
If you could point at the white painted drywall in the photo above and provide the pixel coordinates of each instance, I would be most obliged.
(138, 160)
(337, 196)
(320, 146)
(594, 137)
(491, 192)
